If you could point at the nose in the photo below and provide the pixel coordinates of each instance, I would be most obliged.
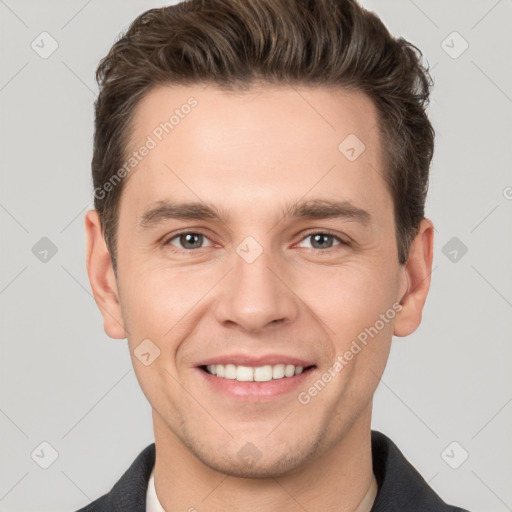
(255, 295)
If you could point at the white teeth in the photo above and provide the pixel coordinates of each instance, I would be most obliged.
(244, 373)
(257, 373)
(229, 371)
(278, 371)
(263, 373)
(289, 370)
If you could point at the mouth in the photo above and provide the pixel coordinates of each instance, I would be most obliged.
(255, 384)
(264, 373)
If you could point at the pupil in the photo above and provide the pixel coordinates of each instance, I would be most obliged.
(187, 240)
(323, 241)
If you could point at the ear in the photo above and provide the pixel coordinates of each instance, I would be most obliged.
(102, 277)
(417, 272)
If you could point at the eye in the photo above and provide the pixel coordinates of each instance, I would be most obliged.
(188, 240)
(322, 241)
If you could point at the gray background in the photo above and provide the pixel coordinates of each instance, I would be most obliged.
(64, 382)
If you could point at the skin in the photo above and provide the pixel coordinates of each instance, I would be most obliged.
(250, 154)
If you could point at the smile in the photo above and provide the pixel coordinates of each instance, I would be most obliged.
(253, 373)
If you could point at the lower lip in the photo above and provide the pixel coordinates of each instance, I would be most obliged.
(256, 391)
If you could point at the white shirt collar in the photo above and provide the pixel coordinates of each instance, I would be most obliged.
(152, 502)
(154, 505)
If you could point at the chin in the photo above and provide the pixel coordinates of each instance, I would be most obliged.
(251, 462)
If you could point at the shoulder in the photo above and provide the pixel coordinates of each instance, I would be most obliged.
(401, 487)
(99, 505)
(129, 492)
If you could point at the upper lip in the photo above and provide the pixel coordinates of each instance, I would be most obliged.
(243, 360)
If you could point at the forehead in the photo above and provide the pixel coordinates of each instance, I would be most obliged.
(259, 146)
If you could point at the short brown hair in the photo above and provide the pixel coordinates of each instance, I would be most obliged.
(237, 43)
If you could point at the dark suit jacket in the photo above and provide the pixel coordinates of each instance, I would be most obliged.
(401, 487)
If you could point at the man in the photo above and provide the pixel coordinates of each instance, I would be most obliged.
(260, 171)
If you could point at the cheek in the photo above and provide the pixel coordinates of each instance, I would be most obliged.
(157, 304)
(350, 297)
(160, 301)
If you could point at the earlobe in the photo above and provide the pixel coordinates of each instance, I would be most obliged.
(417, 274)
(102, 278)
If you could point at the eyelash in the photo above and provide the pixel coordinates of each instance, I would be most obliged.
(312, 233)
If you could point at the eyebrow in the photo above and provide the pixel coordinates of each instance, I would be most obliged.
(316, 209)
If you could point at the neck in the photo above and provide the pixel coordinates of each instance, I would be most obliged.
(339, 478)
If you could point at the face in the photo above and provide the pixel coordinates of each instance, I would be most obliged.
(249, 236)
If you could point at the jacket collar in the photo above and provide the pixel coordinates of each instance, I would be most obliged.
(401, 487)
